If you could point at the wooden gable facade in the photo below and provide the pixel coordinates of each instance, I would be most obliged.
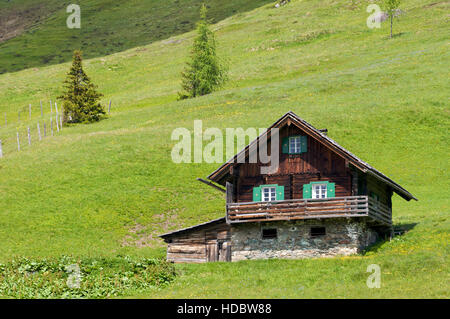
(315, 163)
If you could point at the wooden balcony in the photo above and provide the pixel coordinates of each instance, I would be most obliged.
(295, 209)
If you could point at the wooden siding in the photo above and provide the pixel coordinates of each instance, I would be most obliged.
(318, 164)
(382, 190)
(199, 245)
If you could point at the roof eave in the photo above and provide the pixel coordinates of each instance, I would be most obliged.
(178, 231)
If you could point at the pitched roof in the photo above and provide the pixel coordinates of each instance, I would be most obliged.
(178, 231)
(219, 173)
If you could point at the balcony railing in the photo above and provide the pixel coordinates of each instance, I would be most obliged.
(293, 209)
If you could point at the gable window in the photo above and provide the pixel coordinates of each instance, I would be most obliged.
(318, 231)
(268, 193)
(269, 233)
(296, 144)
(319, 190)
(323, 189)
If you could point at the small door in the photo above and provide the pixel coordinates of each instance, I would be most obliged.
(224, 249)
(212, 252)
(218, 250)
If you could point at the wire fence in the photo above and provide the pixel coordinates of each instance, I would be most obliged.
(28, 128)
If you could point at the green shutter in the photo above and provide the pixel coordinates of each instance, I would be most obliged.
(330, 190)
(280, 193)
(307, 191)
(303, 144)
(285, 145)
(256, 194)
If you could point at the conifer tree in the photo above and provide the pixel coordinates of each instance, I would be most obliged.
(80, 99)
(204, 72)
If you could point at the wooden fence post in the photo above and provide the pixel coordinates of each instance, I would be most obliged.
(29, 136)
(18, 142)
(1, 150)
(29, 110)
(60, 121)
(56, 108)
(42, 112)
(57, 124)
(39, 132)
(109, 108)
(45, 129)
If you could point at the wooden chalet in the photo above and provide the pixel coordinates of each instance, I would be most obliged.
(322, 201)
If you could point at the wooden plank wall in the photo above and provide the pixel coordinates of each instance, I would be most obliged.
(381, 189)
(192, 246)
(318, 164)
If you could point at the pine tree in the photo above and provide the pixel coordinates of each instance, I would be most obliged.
(204, 72)
(80, 100)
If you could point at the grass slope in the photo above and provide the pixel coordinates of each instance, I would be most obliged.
(111, 187)
(43, 37)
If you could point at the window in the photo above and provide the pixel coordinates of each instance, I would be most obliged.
(269, 194)
(319, 190)
(269, 233)
(294, 145)
(323, 189)
(318, 231)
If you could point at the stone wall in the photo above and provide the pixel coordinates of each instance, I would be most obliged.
(343, 237)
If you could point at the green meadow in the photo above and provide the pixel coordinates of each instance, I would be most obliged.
(107, 26)
(110, 188)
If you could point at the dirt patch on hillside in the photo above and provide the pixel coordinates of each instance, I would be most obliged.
(147, 235)
(15, 21)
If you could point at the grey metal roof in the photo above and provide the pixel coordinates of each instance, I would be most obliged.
(218, 220)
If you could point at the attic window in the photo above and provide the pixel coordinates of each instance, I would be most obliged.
(294, 145)
(318, 231)
(269, 233)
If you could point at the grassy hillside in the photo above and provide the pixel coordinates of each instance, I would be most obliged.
(110, 188)
(36, 34)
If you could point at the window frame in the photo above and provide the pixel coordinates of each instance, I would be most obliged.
(270, 193)
(295, 137)
(314, 185)
(258, 192)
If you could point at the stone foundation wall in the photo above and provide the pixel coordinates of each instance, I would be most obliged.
(343, 237)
